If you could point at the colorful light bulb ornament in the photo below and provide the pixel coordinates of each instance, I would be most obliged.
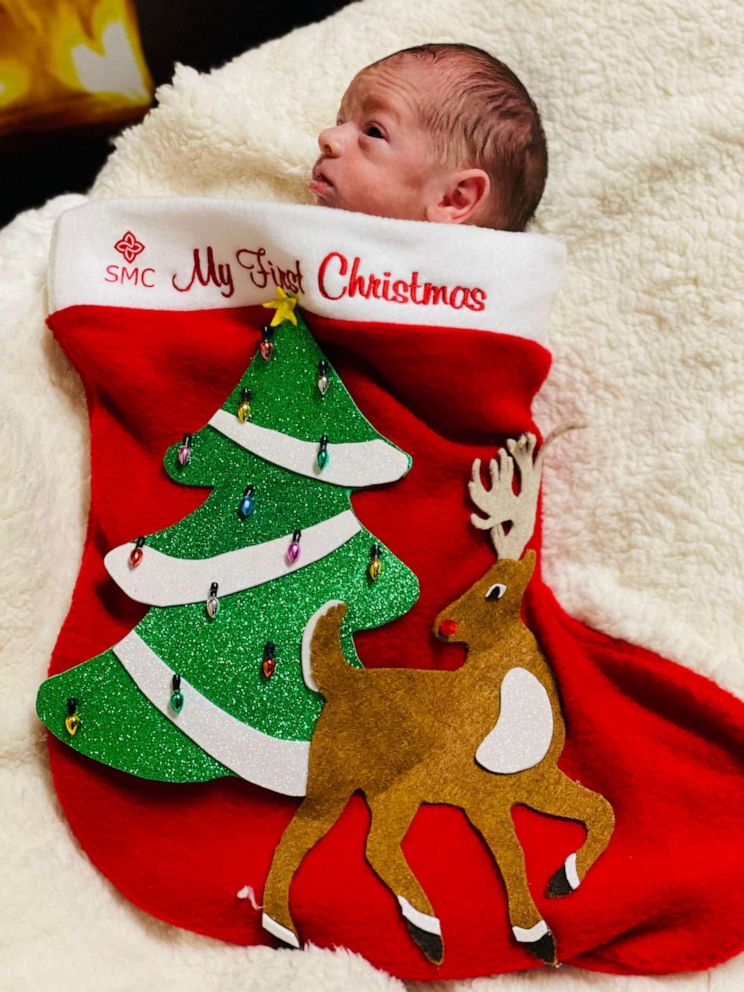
(375, 566)
(72, 720)
(266, 348)
(184, 451)
(136, 556)
(268, 665)
(244, 410)
(293, 551)
(323, 457)
(323, 381)
(247, 503)
(213, 603)
(176, 698)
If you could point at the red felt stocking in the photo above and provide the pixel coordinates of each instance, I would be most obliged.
(662, 744)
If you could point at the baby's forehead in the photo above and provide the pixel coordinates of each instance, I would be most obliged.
(394, 83)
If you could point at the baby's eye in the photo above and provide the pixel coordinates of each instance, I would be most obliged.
(373, 131)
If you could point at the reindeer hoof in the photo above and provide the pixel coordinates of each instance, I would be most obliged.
(558, 885)
(538, 940)
(543, 949)
(283, 934)
(429, 943)
(565, 880)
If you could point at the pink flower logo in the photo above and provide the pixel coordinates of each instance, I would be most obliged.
(129, 246)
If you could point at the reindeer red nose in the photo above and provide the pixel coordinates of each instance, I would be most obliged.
(447, 628)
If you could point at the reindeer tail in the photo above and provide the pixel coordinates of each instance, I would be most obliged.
(323, 662)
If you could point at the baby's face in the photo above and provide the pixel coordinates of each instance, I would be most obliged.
(378, 159)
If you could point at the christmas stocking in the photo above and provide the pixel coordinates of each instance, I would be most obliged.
(504, 787)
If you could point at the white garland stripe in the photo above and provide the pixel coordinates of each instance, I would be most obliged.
(161, 580)
(356, 463)
(276, 764)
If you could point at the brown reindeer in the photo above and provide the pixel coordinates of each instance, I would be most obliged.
(483, 738)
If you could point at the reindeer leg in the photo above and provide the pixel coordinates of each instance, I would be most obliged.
(313, 819)
(391, 817)
(528, 927)
(572, 801)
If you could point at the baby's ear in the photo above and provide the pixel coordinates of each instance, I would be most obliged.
(466, 191)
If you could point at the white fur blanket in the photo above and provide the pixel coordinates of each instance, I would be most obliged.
(639, 103)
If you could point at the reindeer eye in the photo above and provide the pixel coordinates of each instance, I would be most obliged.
(496, 591)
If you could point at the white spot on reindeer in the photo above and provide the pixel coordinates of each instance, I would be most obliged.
(524, 729)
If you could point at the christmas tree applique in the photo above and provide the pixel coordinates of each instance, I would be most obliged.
(210, 682)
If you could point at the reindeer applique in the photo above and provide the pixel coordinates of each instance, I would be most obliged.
(483, 738)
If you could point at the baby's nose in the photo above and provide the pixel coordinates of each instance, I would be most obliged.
(330, 141)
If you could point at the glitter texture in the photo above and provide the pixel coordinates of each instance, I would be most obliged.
(222, 657)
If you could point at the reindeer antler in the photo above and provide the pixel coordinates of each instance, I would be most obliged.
(500, 503)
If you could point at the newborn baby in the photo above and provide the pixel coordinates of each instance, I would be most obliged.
(439, 132)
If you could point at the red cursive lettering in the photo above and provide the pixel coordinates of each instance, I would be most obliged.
(323, 270)
(335, 284)
(213, 273)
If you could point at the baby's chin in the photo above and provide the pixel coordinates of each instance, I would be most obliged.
(326, 195)
(320, 201)
(333, 204)
(325, 200)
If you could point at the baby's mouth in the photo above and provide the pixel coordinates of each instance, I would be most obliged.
(320, 183)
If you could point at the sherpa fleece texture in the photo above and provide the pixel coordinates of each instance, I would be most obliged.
(641, 529)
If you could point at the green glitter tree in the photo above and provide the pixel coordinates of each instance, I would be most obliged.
(211, 682)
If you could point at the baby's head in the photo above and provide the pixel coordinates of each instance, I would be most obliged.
(439, 132)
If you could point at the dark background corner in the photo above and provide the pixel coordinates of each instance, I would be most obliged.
(35, 166)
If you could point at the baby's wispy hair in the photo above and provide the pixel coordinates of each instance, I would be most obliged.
(481, 116)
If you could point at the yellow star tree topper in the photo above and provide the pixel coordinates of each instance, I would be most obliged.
(284, 305)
